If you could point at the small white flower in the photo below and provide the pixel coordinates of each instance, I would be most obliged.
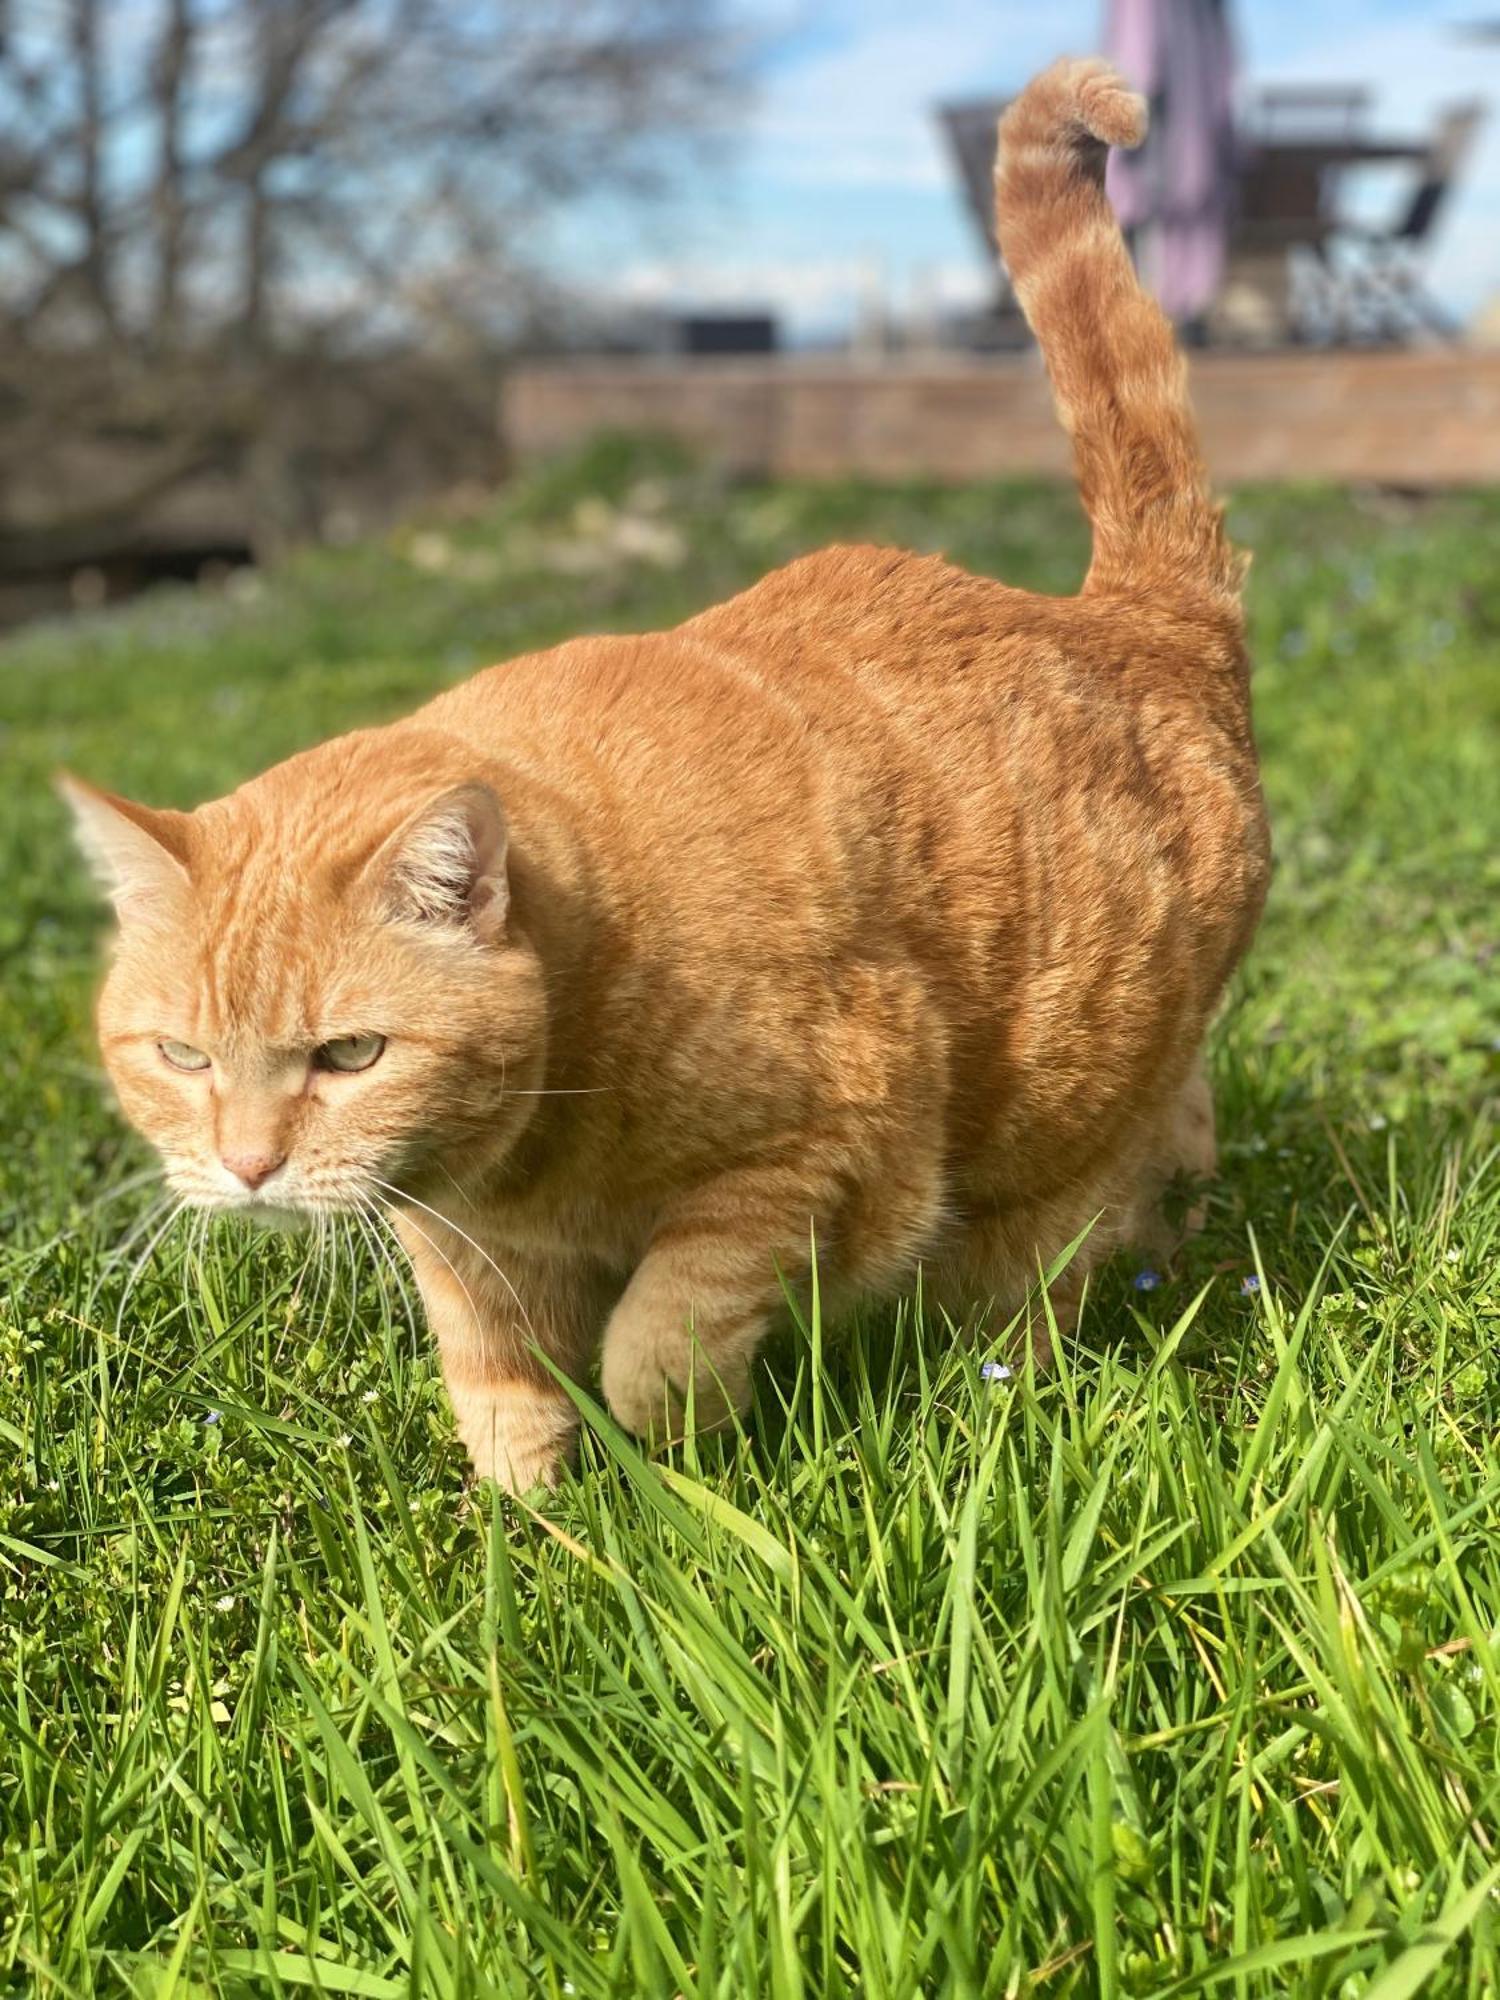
(1377, 1123)
(1451, 1257)
(430, 552)
(225, 1603)
(370, 1396)
(346, 1440)
(994, 1371)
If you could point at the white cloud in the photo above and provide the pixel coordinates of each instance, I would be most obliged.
(810, 292)
(859, 113)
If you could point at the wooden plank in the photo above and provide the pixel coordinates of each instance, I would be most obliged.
(1407, 419)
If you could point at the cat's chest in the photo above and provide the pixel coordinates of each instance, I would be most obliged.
(549, 1220)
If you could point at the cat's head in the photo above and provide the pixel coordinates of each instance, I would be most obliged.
(316, 995)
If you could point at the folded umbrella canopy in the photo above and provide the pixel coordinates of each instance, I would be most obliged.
(1174, 195)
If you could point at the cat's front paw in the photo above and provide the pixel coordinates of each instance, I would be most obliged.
(643, 1400)
(516, 1434)
(653, 1400)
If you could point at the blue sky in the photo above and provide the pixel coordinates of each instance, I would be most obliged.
(836, 186)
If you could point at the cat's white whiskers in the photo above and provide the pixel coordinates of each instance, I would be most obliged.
(325, 1253)
(584, 1090)
(385, 1243)
(141, 1262)
(386, 1246)
(379, 1235)
(306, 1269)
(448, 1222)
(462, 1193)
(347, 1224)
(197, 1243)
(138, 1228)
(310, 1270)
(372, 1247)
(439, 1252)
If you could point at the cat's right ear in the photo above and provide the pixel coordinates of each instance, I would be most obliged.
(138, 854)
(446, 866)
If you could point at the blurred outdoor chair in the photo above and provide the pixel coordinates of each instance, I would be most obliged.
(1301, 266)
(1377, 273)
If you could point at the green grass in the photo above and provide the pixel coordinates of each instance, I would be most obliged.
(1176, 1673)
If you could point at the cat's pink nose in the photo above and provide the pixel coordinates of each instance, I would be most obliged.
(252, 1168)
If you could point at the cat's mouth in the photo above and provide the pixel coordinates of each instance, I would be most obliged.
(276, 1207)
(268, 1211)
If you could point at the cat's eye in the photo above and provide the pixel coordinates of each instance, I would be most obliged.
(348, 1052)
(181, 1055)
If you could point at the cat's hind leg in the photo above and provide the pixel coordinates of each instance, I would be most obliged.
(993, 1261)
(993, 1264)
(1167, 1206)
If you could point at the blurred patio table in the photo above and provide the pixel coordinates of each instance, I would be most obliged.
(1302, 264)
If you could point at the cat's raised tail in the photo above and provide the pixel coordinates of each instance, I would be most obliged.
(1117, 377)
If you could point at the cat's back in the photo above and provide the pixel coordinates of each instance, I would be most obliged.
(895, 690)
(867, 731)
(832, 724)
(863, 659)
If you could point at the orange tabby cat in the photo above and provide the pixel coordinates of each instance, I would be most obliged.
(882, 900)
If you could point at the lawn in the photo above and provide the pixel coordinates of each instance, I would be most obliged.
(1177, 1672)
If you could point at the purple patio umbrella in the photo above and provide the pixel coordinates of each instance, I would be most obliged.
(1174, 195)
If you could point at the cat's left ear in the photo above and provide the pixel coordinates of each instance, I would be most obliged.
(447, 864)
(138, 854)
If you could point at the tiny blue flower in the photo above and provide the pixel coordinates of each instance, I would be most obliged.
(1147, 1281)
(1250, 1284)
(213, 1416)
(994, 1371)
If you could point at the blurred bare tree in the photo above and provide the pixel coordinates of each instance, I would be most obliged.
(208, 205)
